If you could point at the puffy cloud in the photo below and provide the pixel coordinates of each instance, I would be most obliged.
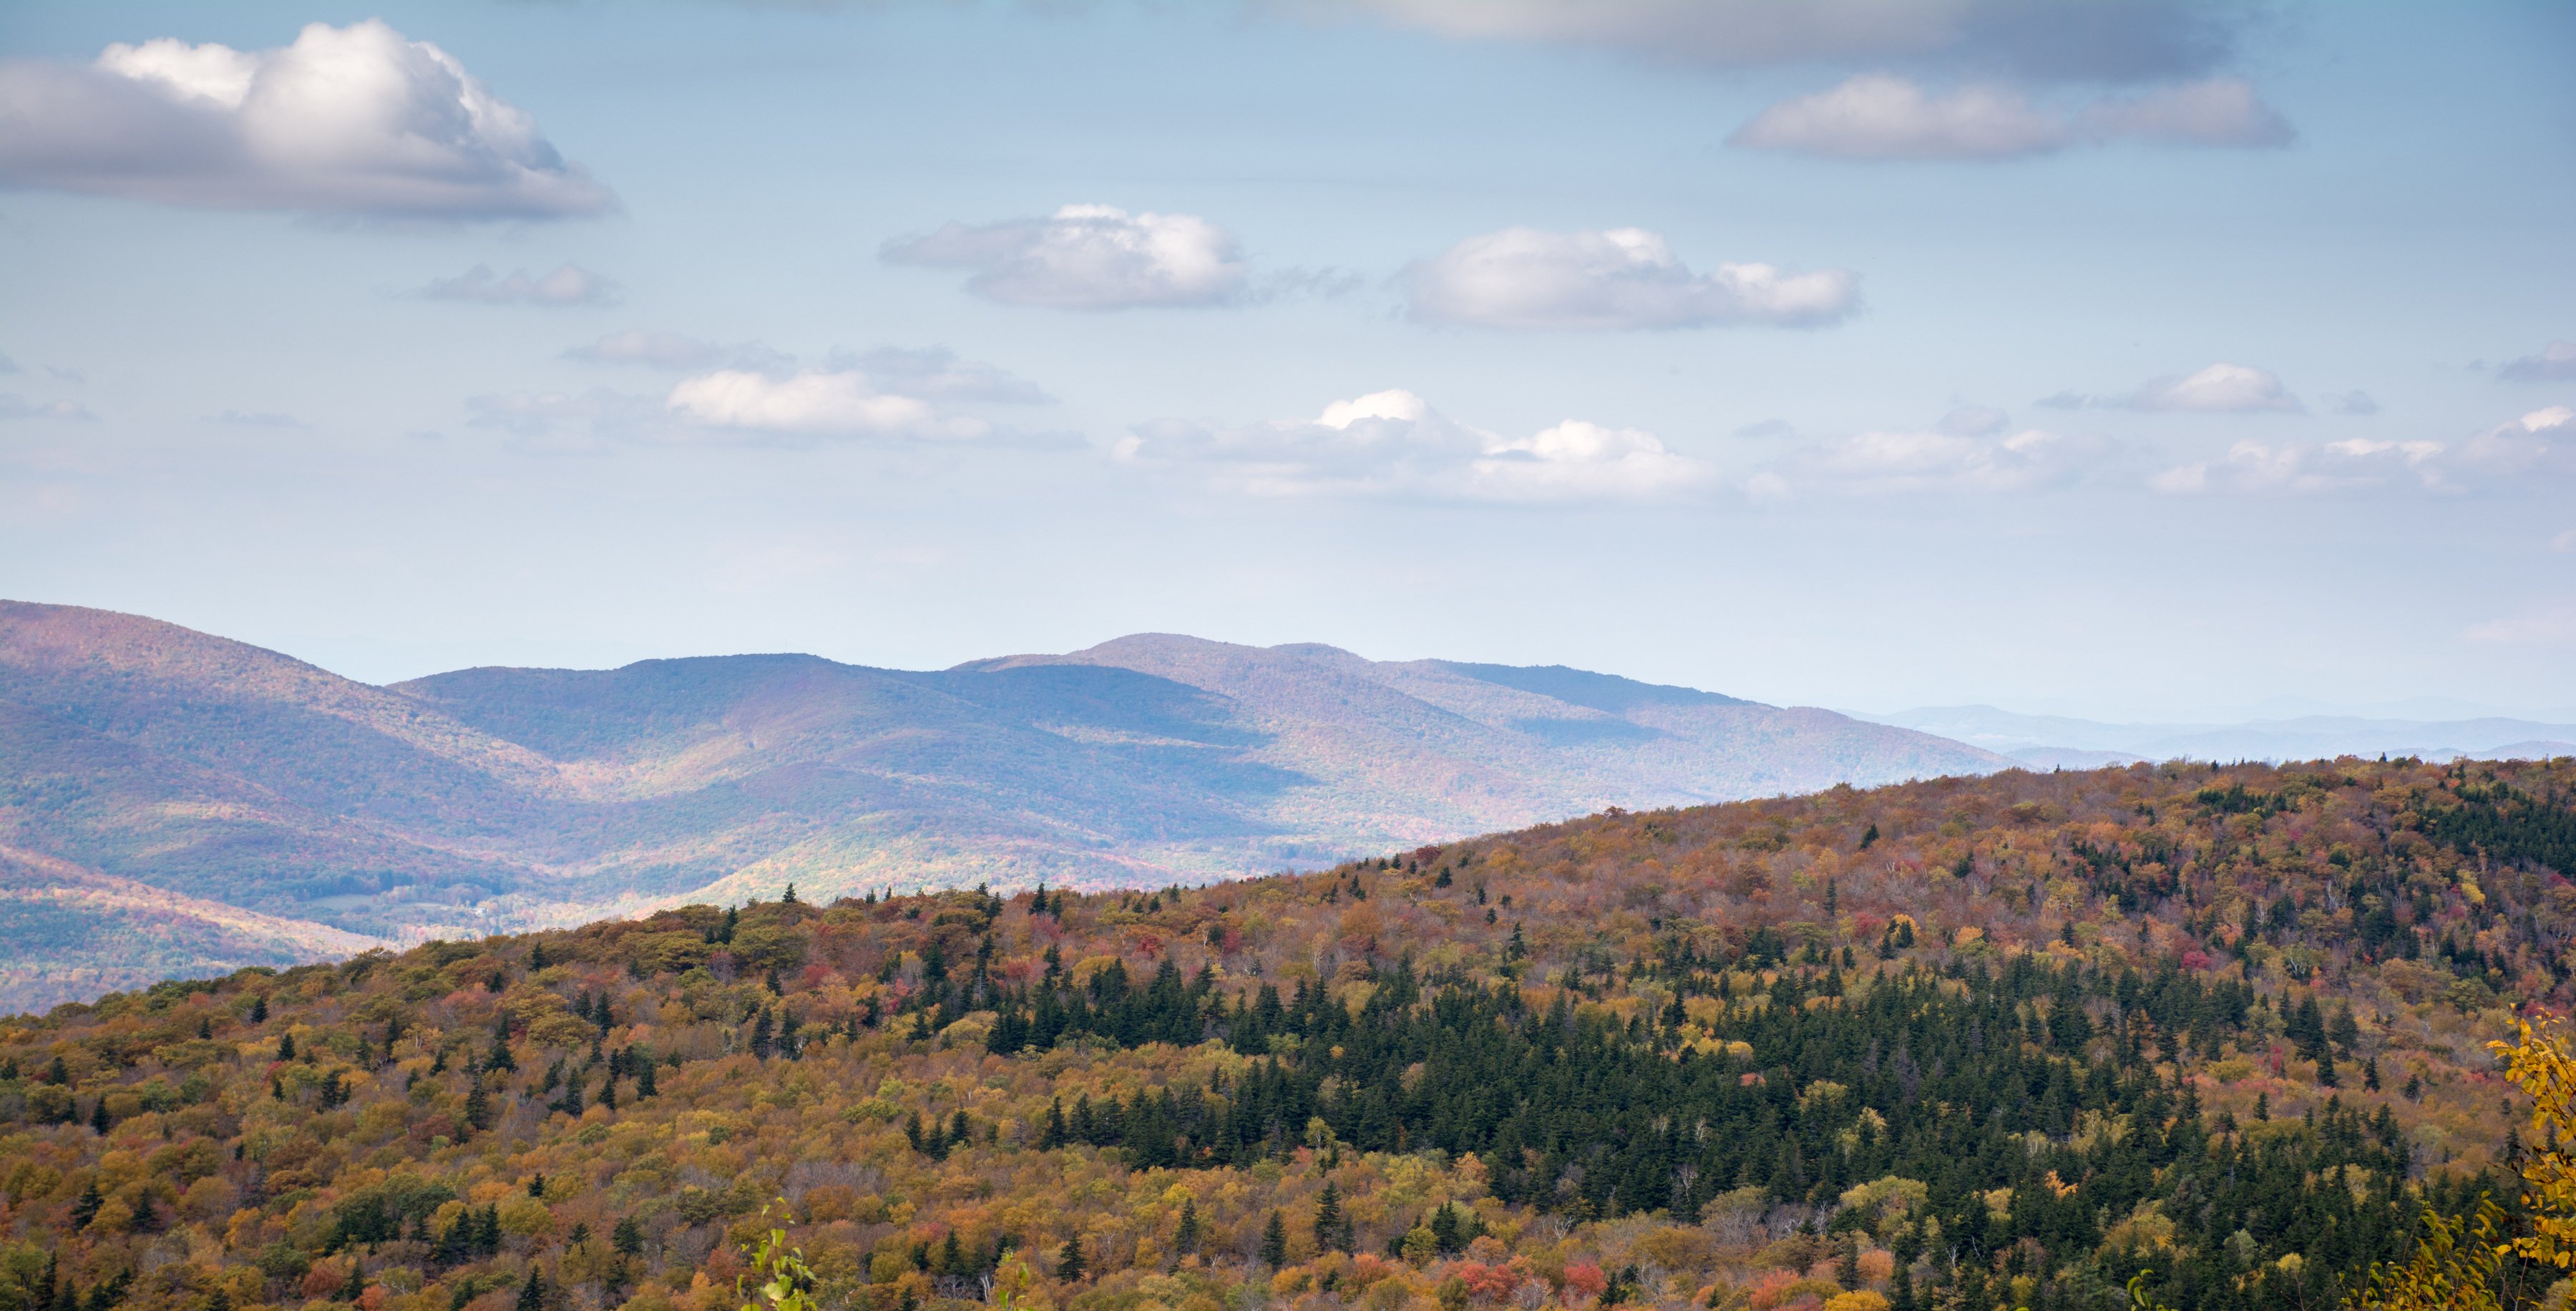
(1394, 443)
(1881, 116)
(2127, 40)
(1619, 279)
(569, 284)
(1906, 460)
(1087, 257)
(347, 120)
(2217, 389)
(814, 402)
(13, 406)
(2555, 362)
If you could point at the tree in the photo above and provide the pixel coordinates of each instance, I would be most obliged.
(1332, 1232)
(1185, 1235)
(627, 1237)
(1068, 1261)
(532, 1294)
(1274, 1242)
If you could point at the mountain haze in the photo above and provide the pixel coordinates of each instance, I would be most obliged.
(216, 773)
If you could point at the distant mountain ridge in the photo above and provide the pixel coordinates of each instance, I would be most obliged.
(2048, 740)
(208, 772)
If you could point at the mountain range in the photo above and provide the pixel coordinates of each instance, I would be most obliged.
(175, 803)
(2052, 741)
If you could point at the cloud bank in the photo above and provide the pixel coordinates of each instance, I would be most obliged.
(1394, 443)
(1940, 460)
(1624, 278)
(1879, 116)
(1087, 257)
(355, 120)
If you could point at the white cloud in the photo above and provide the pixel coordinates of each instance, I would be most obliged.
(2217, 389)
(2555, 362)
(1087, 257)
(1875, 116)
(1619, 279)
(2131, 41)
(815, 402)
(347, 120)
(2538, 448)
(1394, 443)
(568, 284)
(1881, 116)
(1904, 460)
(2293, 468)
(1578, 460)
(13, 406)
(2564, 542)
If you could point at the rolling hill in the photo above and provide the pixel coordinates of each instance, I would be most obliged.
(2011, 1041)
(219, 773)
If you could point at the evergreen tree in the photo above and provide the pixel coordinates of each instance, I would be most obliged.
(1274, 1242)
(1185, 1235)
(1068, 1261)
(532, 1294)
(1331, 1232)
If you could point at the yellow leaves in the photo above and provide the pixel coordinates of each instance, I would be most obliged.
(2541, 1066)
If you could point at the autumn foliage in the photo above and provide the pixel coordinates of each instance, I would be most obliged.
(1994, 1042)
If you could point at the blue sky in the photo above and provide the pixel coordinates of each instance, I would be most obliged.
(2169, 362)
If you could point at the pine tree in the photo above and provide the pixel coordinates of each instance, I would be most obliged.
(627, 1238)
(1185, 1236)
(259, 1009)
(1328, 1220)
(1068, 1261)
(788, 898)
(98, 1121)
(644, 1080)
(1053, 1136)
(532, 1294)
(1274, 1242)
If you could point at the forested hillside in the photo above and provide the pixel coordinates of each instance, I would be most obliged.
(2002, 1042)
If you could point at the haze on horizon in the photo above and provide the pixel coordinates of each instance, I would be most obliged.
(2149, 360)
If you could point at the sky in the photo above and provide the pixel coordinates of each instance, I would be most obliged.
(2142, 359)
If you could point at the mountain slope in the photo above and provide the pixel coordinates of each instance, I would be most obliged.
(2005, 1041)
(494, 798)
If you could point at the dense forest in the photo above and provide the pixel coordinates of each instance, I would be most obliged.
(1970, 1043)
